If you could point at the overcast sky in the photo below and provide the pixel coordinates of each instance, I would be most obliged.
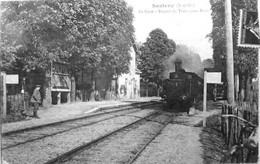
(185, 21)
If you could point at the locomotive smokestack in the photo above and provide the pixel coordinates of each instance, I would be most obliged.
(178, 65)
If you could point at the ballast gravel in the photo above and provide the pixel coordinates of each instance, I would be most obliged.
(14, 139)
(121, 147)
(178, 144)
(43, 150)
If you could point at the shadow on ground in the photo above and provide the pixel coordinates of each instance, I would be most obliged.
(211, 105)
(177, 108)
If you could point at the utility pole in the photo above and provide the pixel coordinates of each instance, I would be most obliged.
(204, 98)
(229, 56)
(1, 88)
(258, 11)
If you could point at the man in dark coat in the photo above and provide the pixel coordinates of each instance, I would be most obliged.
(36, 100)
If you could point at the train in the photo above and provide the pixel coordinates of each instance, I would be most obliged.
(182, 88)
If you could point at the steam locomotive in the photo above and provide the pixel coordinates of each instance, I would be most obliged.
(182, 88)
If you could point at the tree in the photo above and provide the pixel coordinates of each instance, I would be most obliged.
(245, 59)
(157, 48)
(208, 63)
(93, 35)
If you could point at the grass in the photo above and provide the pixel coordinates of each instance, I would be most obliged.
(13, 118)
(213, 143)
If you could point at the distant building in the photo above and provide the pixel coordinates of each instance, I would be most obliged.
(129, 84)
(58, 86)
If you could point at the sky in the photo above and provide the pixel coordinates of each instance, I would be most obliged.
(184, 21)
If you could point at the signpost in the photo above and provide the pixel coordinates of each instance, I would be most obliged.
(12, 79)
(209, 78)
(4, 94)
(5, 79)
(258, 15)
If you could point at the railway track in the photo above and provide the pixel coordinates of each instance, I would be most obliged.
(159, 130)
(23, 136)
(134, 128)
(105, 110)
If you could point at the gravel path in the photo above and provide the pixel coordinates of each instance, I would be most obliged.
(178, 144)
(121, 147)
(43, 150)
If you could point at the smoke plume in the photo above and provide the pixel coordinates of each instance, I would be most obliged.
(191, 61)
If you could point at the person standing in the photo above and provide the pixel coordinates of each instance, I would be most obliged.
(215, 93)
(36, 100)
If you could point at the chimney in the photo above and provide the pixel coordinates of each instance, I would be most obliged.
(178, 65)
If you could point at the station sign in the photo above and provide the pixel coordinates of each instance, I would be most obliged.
(213, 78)
(12, 79)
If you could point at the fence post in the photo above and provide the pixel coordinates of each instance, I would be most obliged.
(231, 137)
(3, 83)
(237, 125)
(222, 119)
(250, 112)
(224, 123)
(227, 124)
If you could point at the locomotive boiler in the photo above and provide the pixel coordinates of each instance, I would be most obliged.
(182, 88)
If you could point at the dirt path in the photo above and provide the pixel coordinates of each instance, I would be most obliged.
(185, 141)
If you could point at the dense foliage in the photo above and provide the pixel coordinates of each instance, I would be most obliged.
(245, 59)
(157, 48)
(94, 34)
(208, 63)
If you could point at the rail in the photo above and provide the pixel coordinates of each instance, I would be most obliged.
(63, 157)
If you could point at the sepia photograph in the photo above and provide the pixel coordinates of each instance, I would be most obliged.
(129, 81)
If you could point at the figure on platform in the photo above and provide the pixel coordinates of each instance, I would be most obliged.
(36, 100)
(215, 93)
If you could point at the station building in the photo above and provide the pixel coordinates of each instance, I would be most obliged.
(124, 86)
(129, 84)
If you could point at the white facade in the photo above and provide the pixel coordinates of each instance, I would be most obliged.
(129, 84)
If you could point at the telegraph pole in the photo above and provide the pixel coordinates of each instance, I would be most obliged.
(1, 88)
(258, 11)
(229, 56)
(1, 101)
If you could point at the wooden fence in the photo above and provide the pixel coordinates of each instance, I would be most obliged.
(18, 102)
(231, 126)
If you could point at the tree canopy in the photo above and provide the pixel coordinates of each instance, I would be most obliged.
(94, 35)
(208, 63)
(157, 48)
